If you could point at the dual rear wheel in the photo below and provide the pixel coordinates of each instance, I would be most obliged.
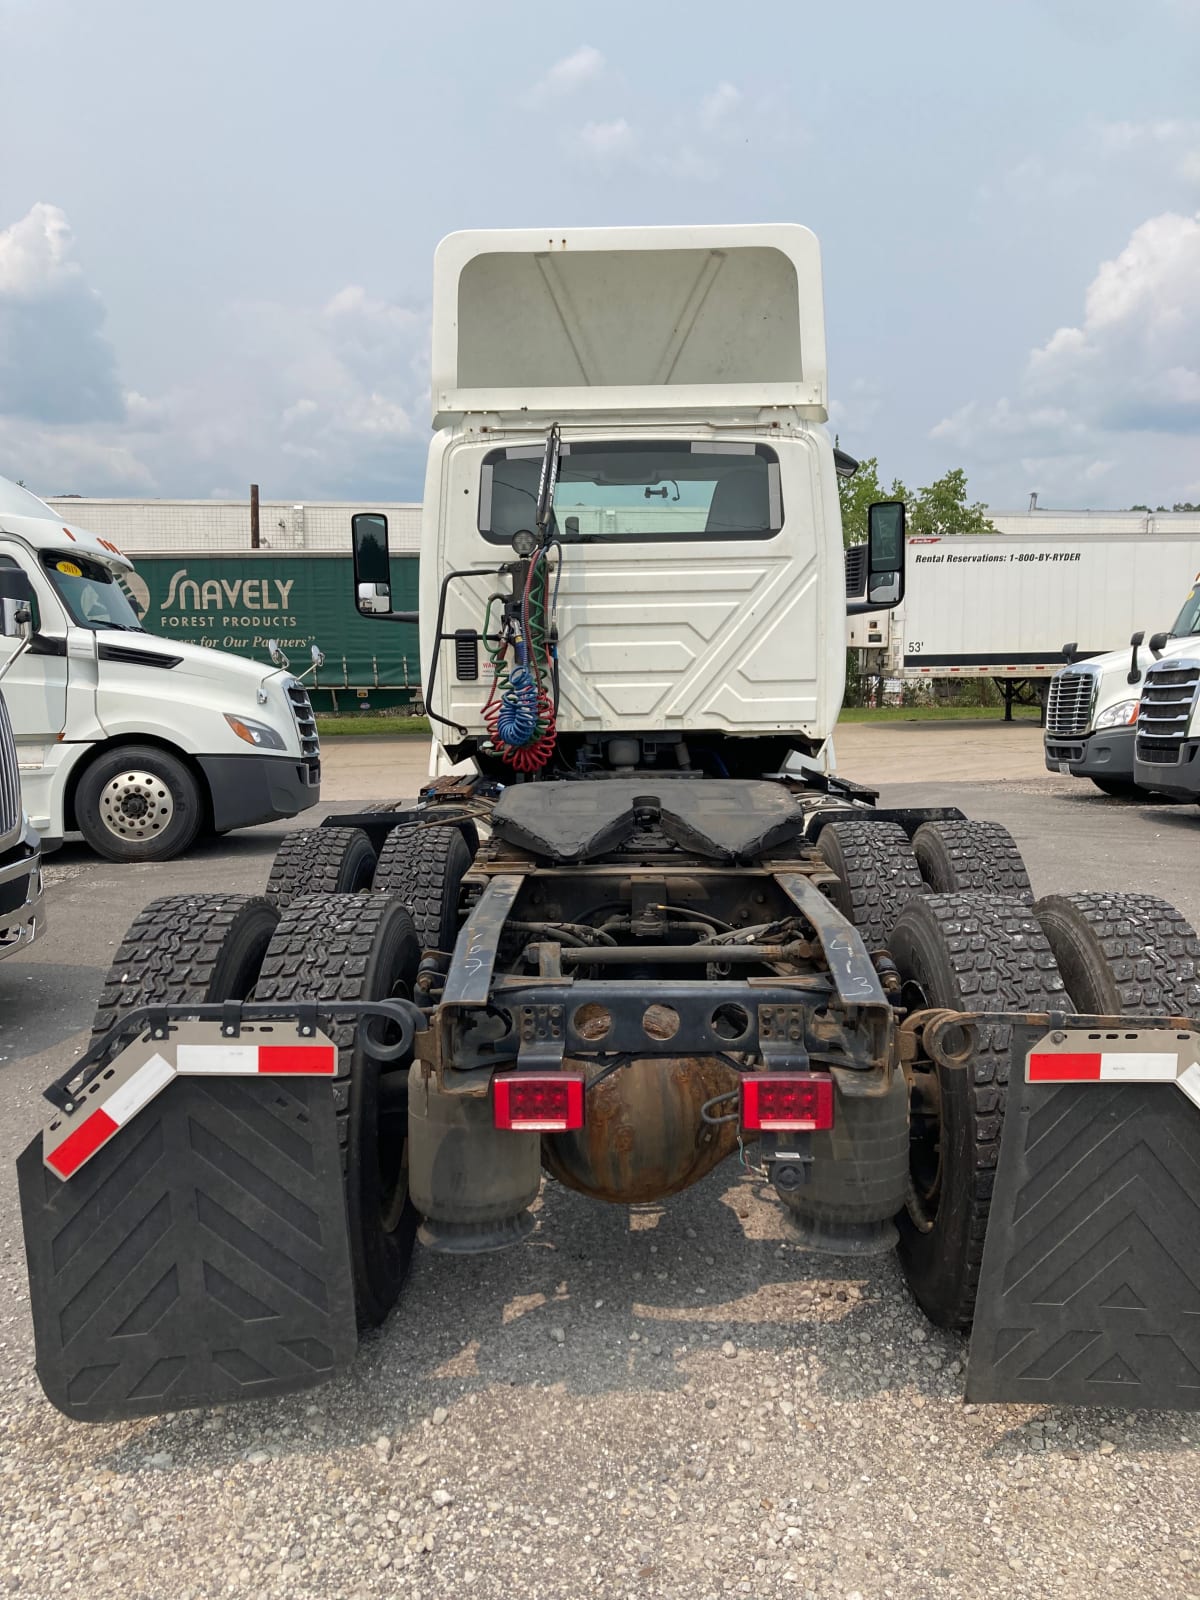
(422, 864)
(336, 924)
(1090, 953)
(192, 949)
(955, 910)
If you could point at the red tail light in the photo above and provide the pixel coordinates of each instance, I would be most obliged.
(538, 1102)
(786, 1102)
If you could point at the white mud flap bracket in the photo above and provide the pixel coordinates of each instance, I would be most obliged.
(1090, 1289)
(185, 1225)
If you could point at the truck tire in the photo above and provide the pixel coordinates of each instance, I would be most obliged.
(321, 861)
(138, 803)
(971, 857)
(358, 947)
(187, 949)
(877, 875)
(1121, 953)
(425, 867)
(962, 952)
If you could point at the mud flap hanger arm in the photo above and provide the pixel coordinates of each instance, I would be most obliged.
(309, 1017)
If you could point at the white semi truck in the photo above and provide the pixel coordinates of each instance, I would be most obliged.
(1127, 719)
(135, 741)
(627, 940)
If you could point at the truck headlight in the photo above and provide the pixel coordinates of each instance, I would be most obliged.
(255, 733)
(1118, 716)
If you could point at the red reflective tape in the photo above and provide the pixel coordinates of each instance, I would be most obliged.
(81, 1143)
(1064, 1069)
(292, 1059)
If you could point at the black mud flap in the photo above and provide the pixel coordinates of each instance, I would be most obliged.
(1090, 1291)
(200, 1257)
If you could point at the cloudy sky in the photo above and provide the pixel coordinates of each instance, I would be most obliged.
(217, 221)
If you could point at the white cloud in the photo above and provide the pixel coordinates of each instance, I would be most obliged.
(55, 363)
(608, 140)
(670, 133)
(323, 399)
(1134, 362)
(718, 105)
(1115, 396)
(581, 67)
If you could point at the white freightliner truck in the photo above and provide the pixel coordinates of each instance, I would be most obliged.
(1125, 719)
(630, 938)
(137, 742)
(1166, 751)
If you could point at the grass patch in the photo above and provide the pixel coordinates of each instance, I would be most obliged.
(388, 727)
(935, 714)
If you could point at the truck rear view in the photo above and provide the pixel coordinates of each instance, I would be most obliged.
(640, 929)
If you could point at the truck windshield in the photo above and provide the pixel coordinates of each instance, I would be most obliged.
(90, 592)
(1188, 620)
(636, 491)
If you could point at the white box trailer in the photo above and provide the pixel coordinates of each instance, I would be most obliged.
(1003, 605)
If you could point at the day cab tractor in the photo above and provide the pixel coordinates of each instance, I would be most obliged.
(634, 925)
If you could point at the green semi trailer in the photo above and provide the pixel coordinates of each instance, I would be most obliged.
(239, 600)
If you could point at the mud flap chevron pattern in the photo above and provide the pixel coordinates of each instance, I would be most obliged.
(200, 1257)
(1090, 1291)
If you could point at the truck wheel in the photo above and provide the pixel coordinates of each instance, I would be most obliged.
(877, 875)
(964, 953)
(187, 949)
(961, 857)
(1123, 953)
(321, 861)
(138, 803)
(359, 947)
(425, 867)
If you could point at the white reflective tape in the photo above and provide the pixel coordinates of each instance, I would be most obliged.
(230, 1059)
(1189, 1082)
(147, 1081)
(1144, 1067)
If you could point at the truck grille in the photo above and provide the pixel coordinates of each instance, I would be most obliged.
(1069, 704)
(10, 776)
(1168, 696)
(306, 724)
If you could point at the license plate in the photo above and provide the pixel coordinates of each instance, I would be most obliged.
(1065, 767)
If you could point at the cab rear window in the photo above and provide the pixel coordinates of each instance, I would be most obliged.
(637, 491)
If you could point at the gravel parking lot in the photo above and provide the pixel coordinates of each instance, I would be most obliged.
(658, 1401)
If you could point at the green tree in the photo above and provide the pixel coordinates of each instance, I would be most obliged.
(941, 507)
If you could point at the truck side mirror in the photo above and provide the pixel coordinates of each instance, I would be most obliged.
(1158, 643)
(373, 568)
(885, 558)
(1135, 644)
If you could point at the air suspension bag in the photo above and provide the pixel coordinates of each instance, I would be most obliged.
(471, 1182)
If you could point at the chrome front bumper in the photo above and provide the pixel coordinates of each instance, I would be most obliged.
(22, 915)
